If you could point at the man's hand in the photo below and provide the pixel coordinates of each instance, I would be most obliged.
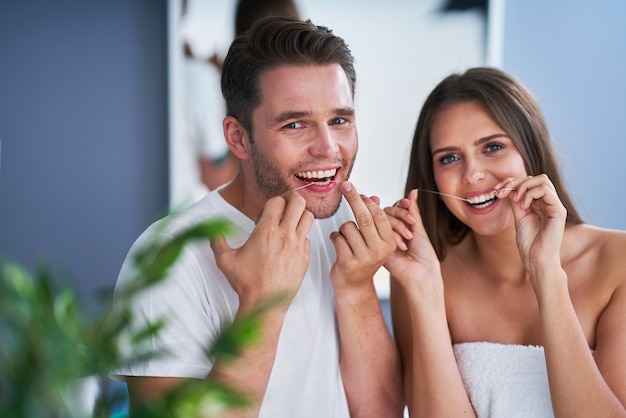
(276, 256)
(362, 247)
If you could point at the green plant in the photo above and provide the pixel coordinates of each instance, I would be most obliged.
(49, 344)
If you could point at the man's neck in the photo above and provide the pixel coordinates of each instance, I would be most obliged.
(243, 196)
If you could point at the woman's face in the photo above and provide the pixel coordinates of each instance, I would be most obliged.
(471, 153)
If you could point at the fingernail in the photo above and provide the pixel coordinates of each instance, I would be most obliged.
(346, 186)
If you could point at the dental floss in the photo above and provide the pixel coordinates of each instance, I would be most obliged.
(301, 187)
(420, 190)
(444, 194)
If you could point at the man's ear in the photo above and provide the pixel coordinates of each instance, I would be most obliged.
(236, 137)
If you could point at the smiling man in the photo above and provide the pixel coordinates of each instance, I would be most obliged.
(302, 230)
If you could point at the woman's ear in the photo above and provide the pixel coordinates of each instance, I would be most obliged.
(236, 137)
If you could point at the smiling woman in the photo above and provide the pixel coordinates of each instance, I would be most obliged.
(511, 275)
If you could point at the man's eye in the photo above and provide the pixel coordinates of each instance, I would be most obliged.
(293, 125)
(337, 121)
(448, 159)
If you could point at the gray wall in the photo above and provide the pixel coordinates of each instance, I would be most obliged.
(83, 125)
(572, 55)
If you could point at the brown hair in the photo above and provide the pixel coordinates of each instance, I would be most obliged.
(249, 11)
(271, 42)
(515, 110)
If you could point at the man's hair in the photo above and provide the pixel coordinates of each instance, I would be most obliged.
(249, 11)
(272, 42)
(515, 110)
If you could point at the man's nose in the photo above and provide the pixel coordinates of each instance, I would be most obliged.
(325, 142)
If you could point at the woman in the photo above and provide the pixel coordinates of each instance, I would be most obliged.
(505, 303)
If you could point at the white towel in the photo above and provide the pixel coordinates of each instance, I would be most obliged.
(505, 380)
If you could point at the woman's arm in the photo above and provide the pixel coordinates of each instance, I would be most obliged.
(432, 381)
(578, 383)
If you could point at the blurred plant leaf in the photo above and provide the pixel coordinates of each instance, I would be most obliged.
(49, 345)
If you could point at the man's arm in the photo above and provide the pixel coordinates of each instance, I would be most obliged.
(370, 363)
(247, 374)
(143, 389)
(270, 265)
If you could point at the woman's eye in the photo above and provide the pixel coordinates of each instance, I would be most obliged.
(493, 147)
(448, 159)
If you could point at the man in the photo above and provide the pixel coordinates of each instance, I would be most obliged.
(289, 91)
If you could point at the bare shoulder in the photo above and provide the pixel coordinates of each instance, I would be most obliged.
(601, 249)
(610, 242)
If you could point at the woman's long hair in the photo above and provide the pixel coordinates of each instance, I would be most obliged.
(515, 110)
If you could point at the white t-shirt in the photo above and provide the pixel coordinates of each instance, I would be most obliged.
(197, 302)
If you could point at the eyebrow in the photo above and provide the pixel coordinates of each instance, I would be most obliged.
(290, 114)
(479, 141)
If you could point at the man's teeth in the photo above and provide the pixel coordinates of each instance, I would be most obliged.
(477, 200)
(319, 175)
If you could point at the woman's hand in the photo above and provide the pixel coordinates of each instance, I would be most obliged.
(539, 218)
(414, 262)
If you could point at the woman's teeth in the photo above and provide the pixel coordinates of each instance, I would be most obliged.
(482, 200)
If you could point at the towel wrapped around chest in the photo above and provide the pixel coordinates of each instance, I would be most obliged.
(505, 380)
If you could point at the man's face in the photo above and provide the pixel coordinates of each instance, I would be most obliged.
(304, 134)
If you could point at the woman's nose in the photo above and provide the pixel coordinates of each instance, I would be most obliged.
(474, 172)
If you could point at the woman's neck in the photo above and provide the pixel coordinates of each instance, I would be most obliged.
(497, 255)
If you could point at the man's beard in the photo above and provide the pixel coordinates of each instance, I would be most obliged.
(272, 183)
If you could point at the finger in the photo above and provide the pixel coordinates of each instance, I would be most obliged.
(273, 210)
(505, 188)
(543, 193)
(219, 246)
(401, 234)
(400, 243)
(400, 220)
(401, 211)
(293, 210)
(531, 188)
(305, 223)
(417, 226)
(400, 227)
(381, 220)
(365, 211)
(375, 199)
(340, 243)
(361, 213)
